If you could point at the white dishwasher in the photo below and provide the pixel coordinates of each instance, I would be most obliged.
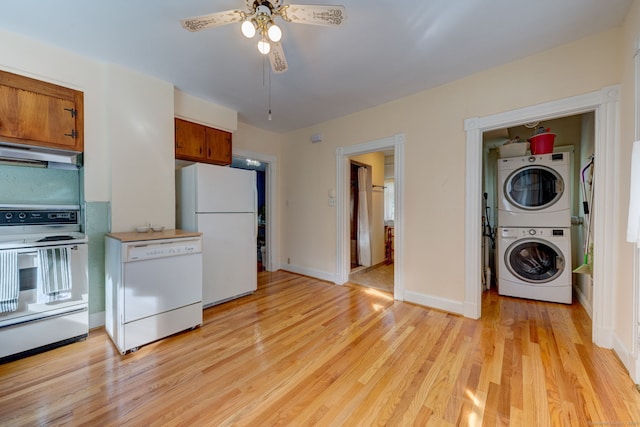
(153, 286)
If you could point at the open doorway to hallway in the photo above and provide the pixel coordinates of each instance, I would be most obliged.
(393, 144)
(371, 220)
(261, 204)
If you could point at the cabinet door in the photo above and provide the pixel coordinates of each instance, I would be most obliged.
(218, 147)
(8, 112)
(39, 113)
(190, 140)
(47, 119)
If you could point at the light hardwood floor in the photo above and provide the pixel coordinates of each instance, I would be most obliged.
(305, 352)
(378, 277)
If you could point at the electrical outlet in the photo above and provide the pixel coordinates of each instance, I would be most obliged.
(332, 201)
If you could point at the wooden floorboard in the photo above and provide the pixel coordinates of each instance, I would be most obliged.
(304, 352)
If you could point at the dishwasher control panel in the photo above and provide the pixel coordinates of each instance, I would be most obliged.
(140, 251)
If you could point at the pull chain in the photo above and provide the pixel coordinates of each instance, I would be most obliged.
(269, 93)
(266, 82)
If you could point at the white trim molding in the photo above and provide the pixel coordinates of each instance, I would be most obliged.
(272, 229)
(606, 105)
(304, 271)
(444, 304)
(635, 341)
(395, 143)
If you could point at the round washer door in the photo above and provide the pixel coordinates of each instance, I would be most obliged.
(533, 187)
(534, 261)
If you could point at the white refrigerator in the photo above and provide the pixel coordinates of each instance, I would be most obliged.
(220, 202)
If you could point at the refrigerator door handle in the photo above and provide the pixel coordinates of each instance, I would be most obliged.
(255, 211)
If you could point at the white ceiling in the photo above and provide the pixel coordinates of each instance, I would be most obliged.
(385, 50)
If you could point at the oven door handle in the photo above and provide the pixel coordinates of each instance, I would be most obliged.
(27, 260)
(50, 315)
(34, 251)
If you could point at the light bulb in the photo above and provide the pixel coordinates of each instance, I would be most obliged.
(275, 33)
(248, 29)
(264, 47)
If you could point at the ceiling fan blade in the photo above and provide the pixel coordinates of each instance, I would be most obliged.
(314, 14)
(277, 58)
(217, 19)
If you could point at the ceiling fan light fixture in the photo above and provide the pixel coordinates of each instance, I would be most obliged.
(259, 17)
(275, 33)
(248, 29)
(264, 47)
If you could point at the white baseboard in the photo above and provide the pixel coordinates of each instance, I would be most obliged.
(584, 301)
(452, 306)
(96, 320)
(329, 277)
(626, 357)
(605, 337)
(274, 267)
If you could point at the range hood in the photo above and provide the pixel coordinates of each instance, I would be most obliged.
(39, 157)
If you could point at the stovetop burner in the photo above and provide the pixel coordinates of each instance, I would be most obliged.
(55, 238)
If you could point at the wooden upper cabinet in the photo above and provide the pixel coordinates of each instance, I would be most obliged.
(190, 140)
(38, 113)
(218, 146)
(199, 143)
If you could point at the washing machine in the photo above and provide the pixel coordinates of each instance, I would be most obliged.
(535, 263)
(534, 191)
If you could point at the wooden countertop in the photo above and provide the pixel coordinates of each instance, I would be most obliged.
(134, 236)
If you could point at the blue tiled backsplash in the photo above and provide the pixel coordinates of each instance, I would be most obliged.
(28, 185)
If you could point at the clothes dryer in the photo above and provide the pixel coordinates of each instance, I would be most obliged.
(535, 263)
(534, 191)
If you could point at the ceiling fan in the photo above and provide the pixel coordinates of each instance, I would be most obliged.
(258, 19)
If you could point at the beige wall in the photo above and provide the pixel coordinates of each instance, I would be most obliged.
(623, 290)
(139, 116)
(433, 124)
(250, 138)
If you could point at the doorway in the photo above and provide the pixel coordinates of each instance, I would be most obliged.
(573, 150)
(368, 245)
(605, 104)
(344, 155)
(266, 233)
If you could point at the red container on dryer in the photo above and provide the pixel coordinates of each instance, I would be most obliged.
(542, 143)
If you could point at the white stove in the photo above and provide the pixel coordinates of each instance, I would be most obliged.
(43, 278)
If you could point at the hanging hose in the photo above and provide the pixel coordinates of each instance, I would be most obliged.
(587, 206)
(488, 234)
(487, 229)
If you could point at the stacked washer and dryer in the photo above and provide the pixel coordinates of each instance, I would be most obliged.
(534, 227)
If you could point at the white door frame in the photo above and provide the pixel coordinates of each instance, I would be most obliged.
(606, 105)
(635, 341)
(395, 143)
(271, 229)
